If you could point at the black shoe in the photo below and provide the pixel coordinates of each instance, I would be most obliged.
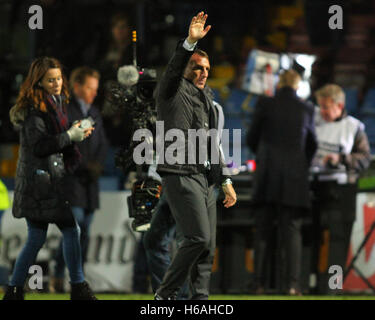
(14, 293)
(159, 297)
(81, 291)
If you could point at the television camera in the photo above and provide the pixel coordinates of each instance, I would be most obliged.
(133, 94)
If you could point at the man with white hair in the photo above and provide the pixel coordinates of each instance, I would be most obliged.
(341, 138)
(342, 145)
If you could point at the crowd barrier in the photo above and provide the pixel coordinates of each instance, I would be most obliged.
(112, 248)
(111, 251)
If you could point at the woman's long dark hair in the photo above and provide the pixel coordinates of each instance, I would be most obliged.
(31, 93)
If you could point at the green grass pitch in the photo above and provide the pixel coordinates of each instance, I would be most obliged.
(48, 296)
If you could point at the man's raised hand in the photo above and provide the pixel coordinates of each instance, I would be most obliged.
(197, 30)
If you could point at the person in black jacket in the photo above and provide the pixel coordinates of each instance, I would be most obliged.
(282, 135)
(82, 187)
(184, 103)
(47, 152)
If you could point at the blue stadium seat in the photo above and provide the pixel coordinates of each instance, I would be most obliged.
(351, 100)
(217, 96)
(369, 122)
(248, 105)
(109, 166)
(368, 106)
(9, 182)
(233, 105)
(238, 122)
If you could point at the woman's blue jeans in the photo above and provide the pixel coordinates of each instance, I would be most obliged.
(36, 237)
(84, 219)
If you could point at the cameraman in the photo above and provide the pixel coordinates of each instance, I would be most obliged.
(83, 190)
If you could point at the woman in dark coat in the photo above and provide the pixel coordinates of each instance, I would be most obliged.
(47, 151)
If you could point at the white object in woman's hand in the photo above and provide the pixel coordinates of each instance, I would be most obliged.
(76, 133)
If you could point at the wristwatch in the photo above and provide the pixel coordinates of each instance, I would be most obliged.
(227, 181)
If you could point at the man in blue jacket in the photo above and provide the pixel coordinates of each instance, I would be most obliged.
(82, 188)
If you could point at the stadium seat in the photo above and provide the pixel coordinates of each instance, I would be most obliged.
(109, 166)
(351, 100)
(368, 106)
(233, 105)
(217, 96)
(9, 182)
(236, 122)
(249, 104)
(242, 123)
(369, 122)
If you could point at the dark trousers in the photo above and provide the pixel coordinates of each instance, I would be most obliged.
(140, 268)
(193, 205)
(289, 242)
(157, 243)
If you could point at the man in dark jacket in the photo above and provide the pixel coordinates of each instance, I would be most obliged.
(82, 188)
(282, 136)
(183, 103)
(157, 240)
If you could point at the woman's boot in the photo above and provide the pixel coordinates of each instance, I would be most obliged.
(81, 291)
(14, 293)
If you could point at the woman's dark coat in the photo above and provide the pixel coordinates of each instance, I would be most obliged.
(38, 193)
